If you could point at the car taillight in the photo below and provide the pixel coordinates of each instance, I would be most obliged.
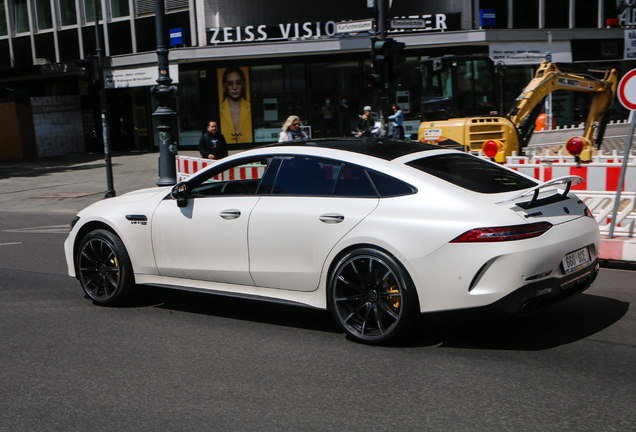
(588, 213)
(506, 233)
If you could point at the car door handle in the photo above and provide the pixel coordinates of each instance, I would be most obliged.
(230, 214)
(331, 218)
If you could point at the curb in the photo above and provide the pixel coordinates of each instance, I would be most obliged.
(618, 249)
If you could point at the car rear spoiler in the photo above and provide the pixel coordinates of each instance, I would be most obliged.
(569, 181)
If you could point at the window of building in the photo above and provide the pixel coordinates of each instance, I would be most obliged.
(119, 8)
(68, 14)
(22, 51)
(516, 79)
(525, 14)
(146, 34)
(3, 19)
(45, 46)
(277, 91)
(586, 14)
(89, 10)
(44, 15)
(5, 57)
(21, 16)
(120, 37)
(68, 45)
(408, 93)
(558, 16)
(501, 11)
(335, 81)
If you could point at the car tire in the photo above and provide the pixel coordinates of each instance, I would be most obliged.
(371, 296)
(104, 268)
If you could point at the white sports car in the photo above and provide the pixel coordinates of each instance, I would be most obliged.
(374, 230)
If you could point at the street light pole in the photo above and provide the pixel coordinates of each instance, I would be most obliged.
(384, 82)
(165, 114)
(104, 110)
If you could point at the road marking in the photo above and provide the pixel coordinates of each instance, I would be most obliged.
(8, 244)
(50, 229)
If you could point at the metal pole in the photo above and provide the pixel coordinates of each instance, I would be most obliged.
(104, 110)
(384, 89)
(165, 92)
(621, 178)
(548, 119)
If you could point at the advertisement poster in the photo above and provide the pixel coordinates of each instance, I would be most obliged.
(234, 105)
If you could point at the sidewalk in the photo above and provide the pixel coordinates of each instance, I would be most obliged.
(67, 184)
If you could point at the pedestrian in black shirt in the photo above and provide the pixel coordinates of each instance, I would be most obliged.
(212, 144)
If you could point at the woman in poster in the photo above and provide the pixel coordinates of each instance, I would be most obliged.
(235, 109)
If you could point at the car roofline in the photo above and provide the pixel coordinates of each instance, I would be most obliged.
(382, 148)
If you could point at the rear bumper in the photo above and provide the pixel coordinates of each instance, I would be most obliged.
(541, 294)
(527, 299)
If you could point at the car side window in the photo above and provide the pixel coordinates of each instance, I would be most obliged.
(354, 182)
(390, 187)
(306, 176)
(241, 178)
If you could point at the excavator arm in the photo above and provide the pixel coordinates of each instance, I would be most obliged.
(549, 78)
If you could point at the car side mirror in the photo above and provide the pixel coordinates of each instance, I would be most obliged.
(180, 193)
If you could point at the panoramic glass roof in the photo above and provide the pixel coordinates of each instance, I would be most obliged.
(379, 147)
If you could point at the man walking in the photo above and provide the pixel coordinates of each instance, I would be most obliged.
(212, 144)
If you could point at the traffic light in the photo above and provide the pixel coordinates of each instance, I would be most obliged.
(380, 52)
(373, 80)
(91, 69)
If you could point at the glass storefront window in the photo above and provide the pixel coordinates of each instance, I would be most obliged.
(67, 12)
(119, 8)
(336, 81)
(189, 107)
(21, 16)
(277, 92)
(89, 10)
(44, 16)
(408, 94)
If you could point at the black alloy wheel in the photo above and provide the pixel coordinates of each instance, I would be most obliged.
(371, 296)
(104, 268)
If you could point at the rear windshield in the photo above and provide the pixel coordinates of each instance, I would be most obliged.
(472, 173)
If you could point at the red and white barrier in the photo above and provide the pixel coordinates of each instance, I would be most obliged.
(187, 166)
(602, 174)
(618, 249)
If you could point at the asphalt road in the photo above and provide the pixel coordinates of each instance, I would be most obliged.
(177, 361)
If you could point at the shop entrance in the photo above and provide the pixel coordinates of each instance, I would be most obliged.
(129, 119)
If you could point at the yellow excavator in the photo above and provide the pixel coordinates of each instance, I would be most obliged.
(458, 109)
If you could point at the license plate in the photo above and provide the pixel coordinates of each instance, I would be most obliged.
(576, 260)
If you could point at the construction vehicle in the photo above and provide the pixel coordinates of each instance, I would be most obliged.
(460, 106)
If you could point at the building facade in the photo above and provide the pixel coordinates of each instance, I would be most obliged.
(285, 57)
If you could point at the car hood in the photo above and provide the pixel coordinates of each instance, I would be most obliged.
(132, 197)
